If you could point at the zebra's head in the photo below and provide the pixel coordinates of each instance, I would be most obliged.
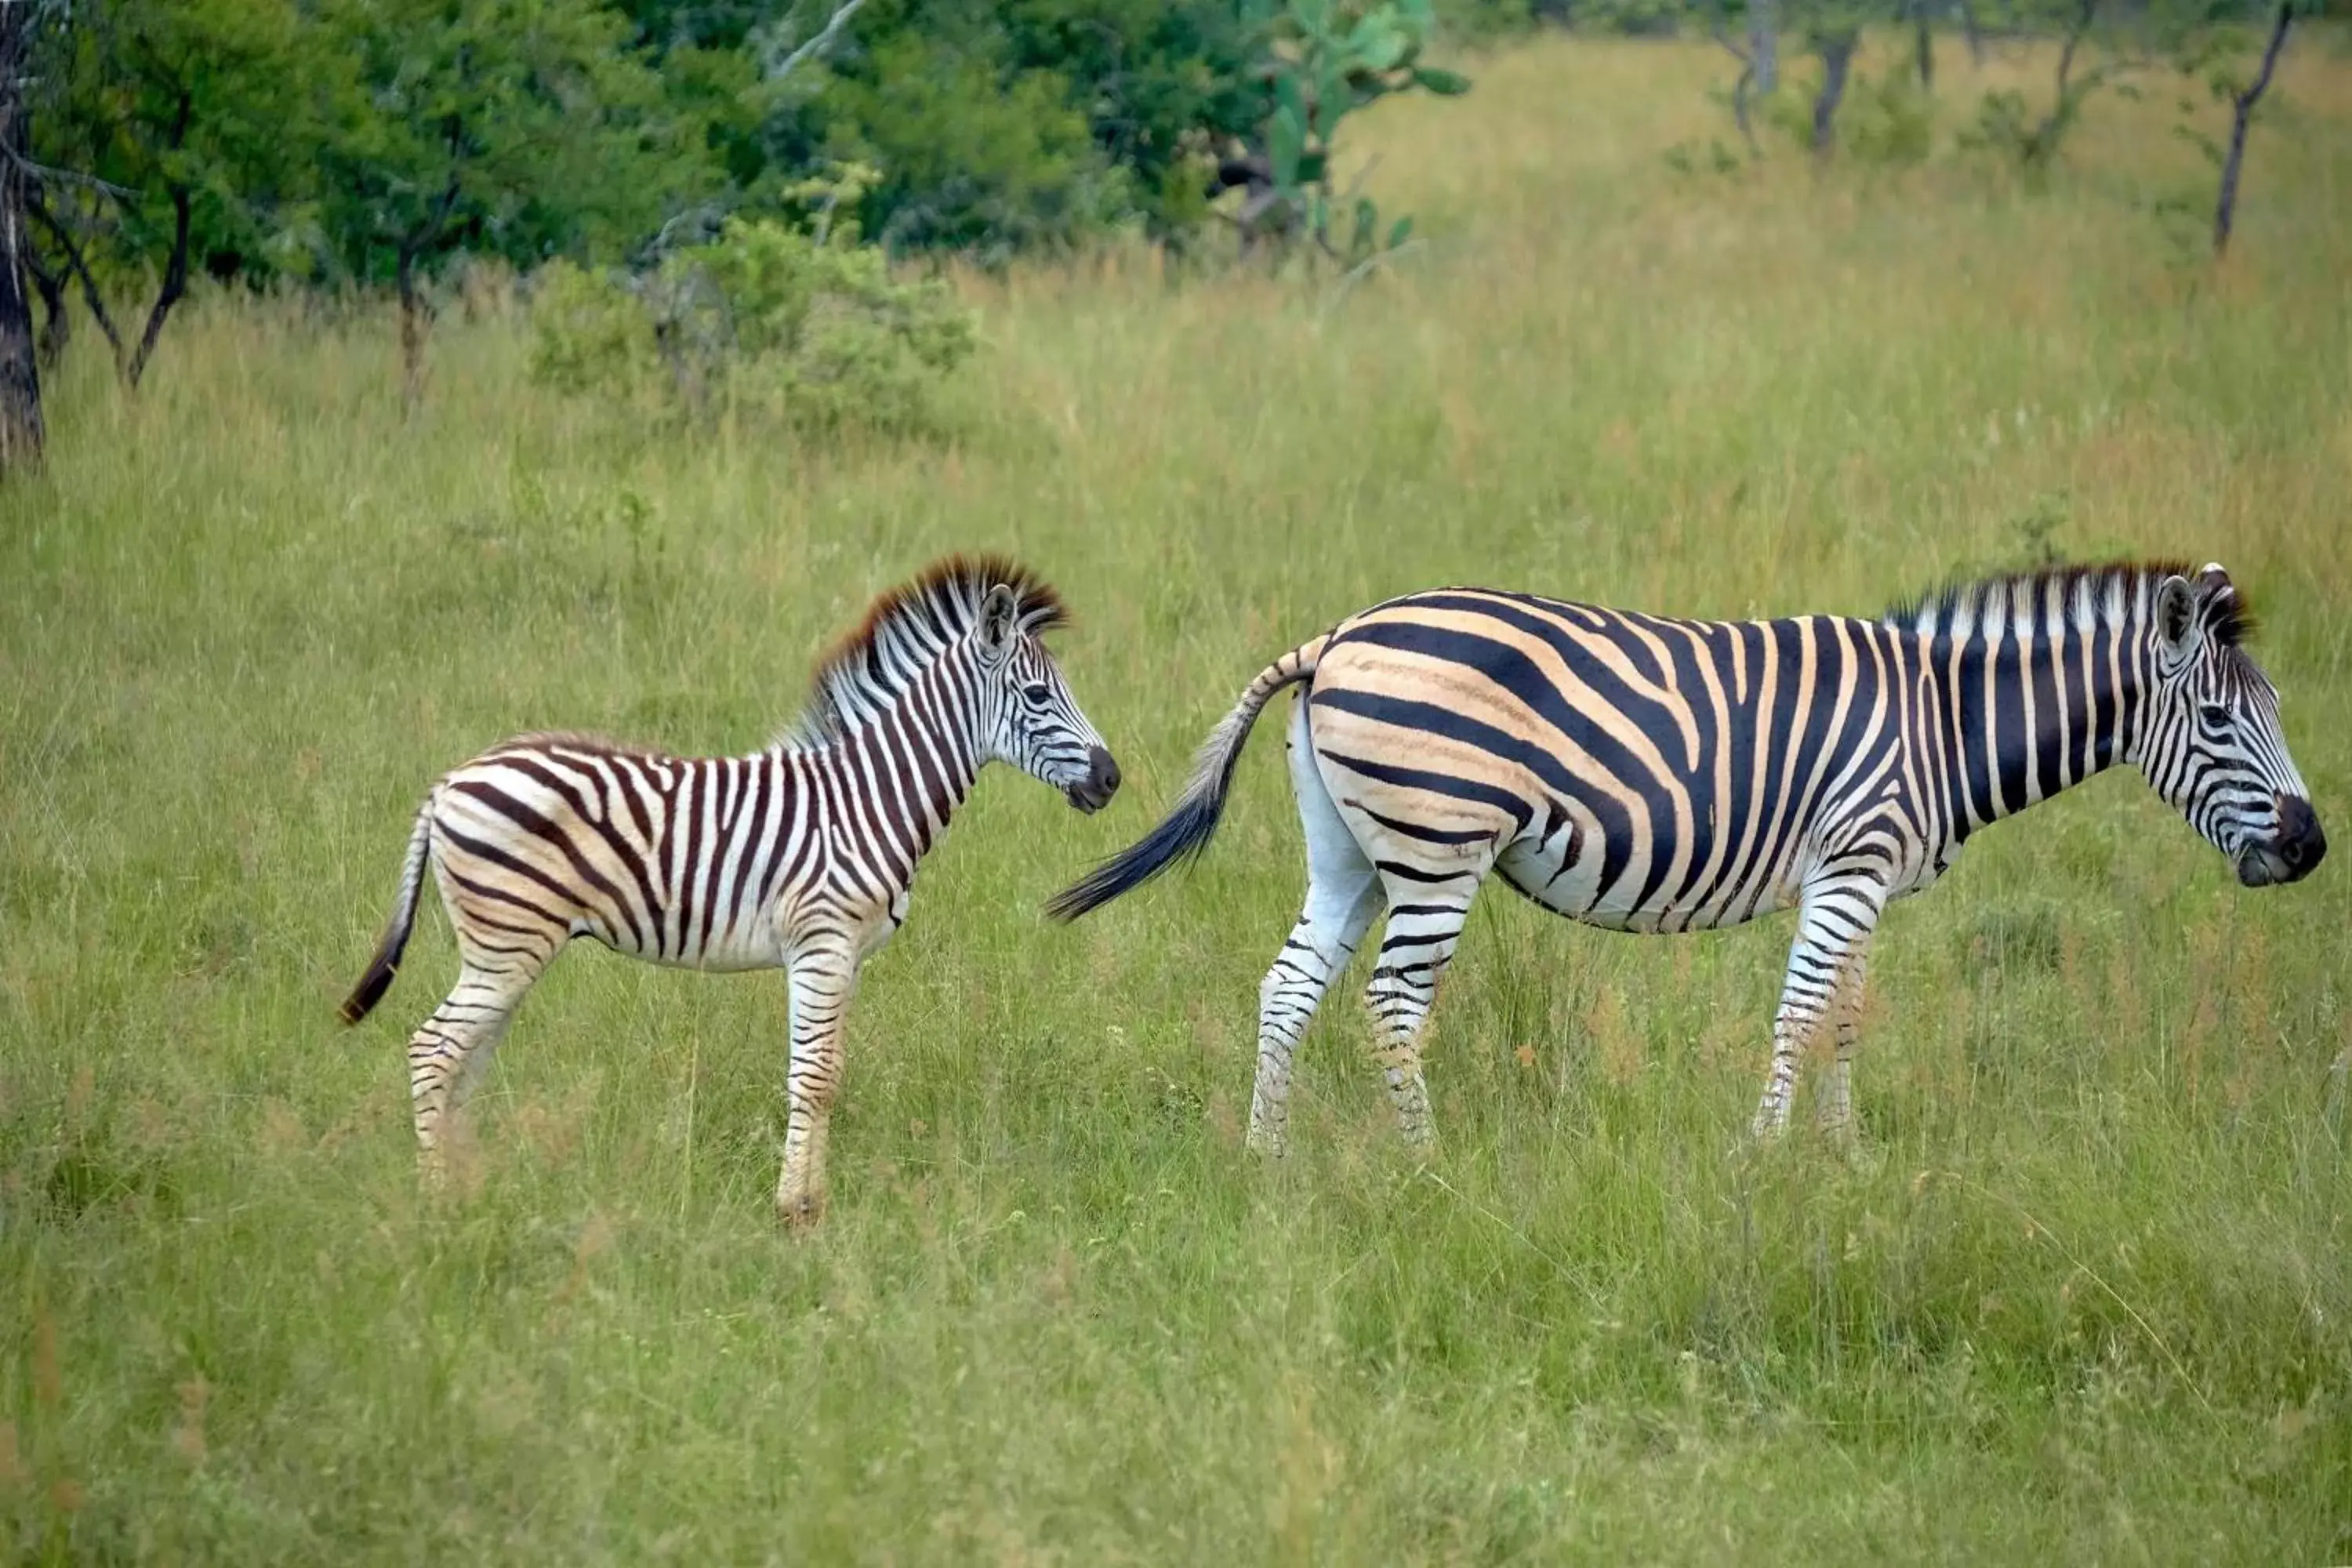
(1027, 716)
(2212, 745)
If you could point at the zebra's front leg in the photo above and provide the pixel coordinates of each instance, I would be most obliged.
(1423, 928)
(1834, 1110)
(822, 979)
(1833, 929)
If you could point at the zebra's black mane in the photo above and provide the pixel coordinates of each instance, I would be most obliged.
(2108, 588)
(905, 629)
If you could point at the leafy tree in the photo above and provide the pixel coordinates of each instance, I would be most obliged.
(523, 128)
(974, 157)
(1003, 124)
(176, 142)
(1160, 85)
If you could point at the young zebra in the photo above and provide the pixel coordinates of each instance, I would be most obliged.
(799, 856)
(1664, 775)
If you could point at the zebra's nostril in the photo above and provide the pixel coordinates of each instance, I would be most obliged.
(2301, 844)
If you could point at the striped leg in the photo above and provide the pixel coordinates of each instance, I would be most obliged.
(823, 979)
(1342, 896)
(1834, 1110)
(1835, 923)
(1424, 925)
(449, 1050)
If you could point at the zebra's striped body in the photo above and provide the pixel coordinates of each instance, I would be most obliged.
(1651, 775)
(800, 856)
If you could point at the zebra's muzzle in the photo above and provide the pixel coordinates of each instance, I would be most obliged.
(1093, 793)
(2295, 853)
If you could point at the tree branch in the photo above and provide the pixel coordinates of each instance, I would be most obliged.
(1739, 90)
(176, 284)
(817, 45)
(80, 269)
(2242, 115)
(42, 173)
(2073, 40)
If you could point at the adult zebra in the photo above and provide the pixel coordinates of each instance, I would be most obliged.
(798, 857)
(1663, 775)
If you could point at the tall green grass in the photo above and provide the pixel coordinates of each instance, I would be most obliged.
(2083, 1295)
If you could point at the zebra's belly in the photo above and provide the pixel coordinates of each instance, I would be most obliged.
(1564, 874)
(722, 951)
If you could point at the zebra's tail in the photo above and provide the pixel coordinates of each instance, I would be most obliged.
(1186, 830)
(386, 962)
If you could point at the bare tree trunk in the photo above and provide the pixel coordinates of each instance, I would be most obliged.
(2042, 148)
(1924, 44)
(176, 284)
(20, 371)
(1764, 45)
(1975, 33)
(2242, 115)
(412, 333)
(56, 326)
(1739, 91)
(1837, 58)
(1742, 89)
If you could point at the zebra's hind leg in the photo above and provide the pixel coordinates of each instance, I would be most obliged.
(1833, 929)
(1424, 925)
(1343, 895)
(1834, 1106)
(449, 1051)
(823, 978)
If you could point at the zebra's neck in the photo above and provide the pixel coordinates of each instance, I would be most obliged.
(2040, 683)
(913, 762)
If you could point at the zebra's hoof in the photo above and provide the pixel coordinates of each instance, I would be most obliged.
(799, 1212)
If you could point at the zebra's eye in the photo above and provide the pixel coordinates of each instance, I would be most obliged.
(2213, 715)
(1036, 693)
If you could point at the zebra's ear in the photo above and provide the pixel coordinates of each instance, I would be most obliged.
(2176, 615)
(999, 618)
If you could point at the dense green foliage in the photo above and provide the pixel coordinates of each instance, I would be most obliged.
(342, 144)
(2085, 1295)
(366, 142)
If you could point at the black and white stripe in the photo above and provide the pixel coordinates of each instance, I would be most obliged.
(1652, 774)
(799, 856)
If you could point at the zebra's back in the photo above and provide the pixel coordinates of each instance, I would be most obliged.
(1628, 770)
(675, 859)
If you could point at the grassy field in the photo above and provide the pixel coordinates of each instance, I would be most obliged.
(2085, 1294)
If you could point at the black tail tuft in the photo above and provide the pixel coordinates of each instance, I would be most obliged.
(386, 962)
(1185, 832)
(371, 987)
(1187, 829)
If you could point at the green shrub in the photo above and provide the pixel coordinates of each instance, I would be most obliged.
(1889, 119)
(810, 327)
(589, 332)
